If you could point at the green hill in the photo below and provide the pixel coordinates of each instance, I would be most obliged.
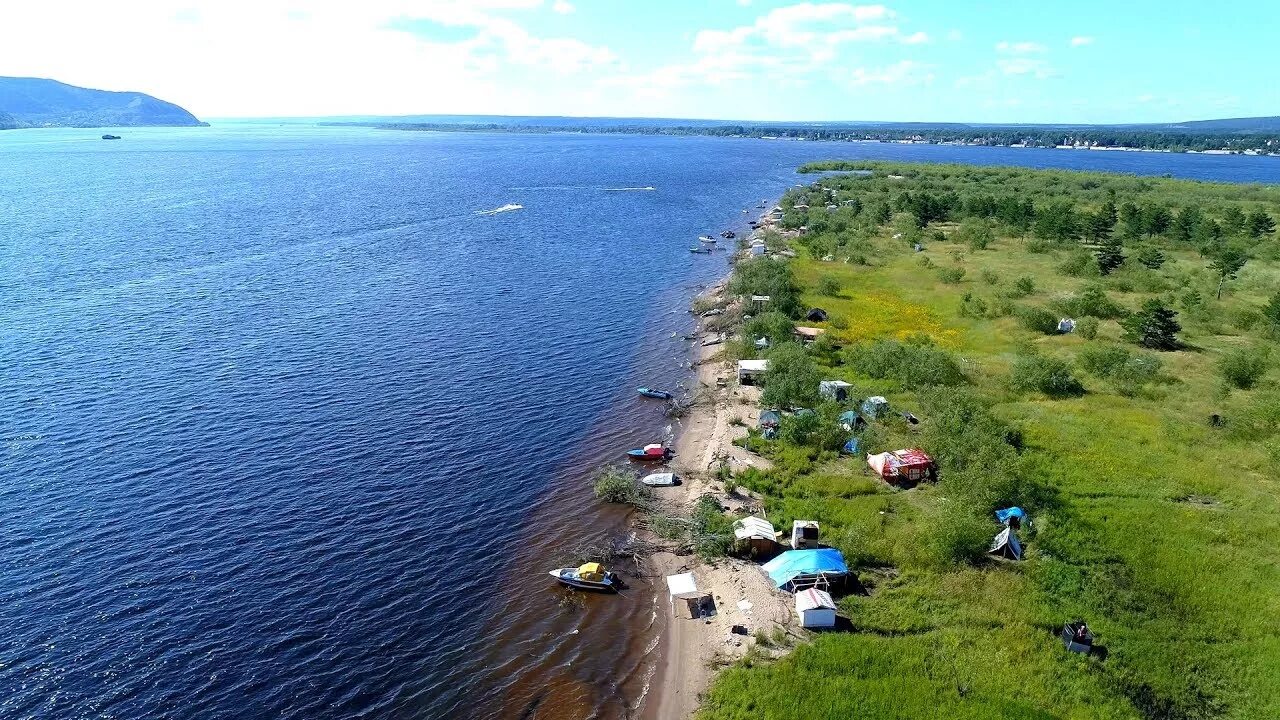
(37, 102)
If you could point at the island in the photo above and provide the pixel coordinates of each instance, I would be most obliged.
(1022, 429)
(38, 102)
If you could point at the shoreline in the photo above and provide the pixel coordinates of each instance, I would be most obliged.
(692, 651)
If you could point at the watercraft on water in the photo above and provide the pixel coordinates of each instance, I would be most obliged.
(728, 235)
(700, 250)
(652, 393)
(588, 576)
(660, 480)
(706, 239)
(650, 453)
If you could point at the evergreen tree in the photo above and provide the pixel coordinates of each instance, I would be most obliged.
(1131, 220)
(1110, 255)
(1057, 222)
(1260, 224)
(1096, 228)
(1155, 327)
(1207, 236)
(1156, 220)
(1233, 221)
(1227, 263)
(1271, 312)
(1184, 225)
(1108, 211)
(1151, 257)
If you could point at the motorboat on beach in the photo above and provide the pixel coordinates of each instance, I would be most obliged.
(653, 393)
(660, 480)
(650, 453)
(588, 576)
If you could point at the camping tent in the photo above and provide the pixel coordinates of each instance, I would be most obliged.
(874, 407)
(837, 390)
(1066, 325)
(850, 420)
(805, 568)
(1006, 545)
(751, 370)
(908, 465)
(850, 446)
(816, 315)
(815, 608)
(769, 418)
(1014, 513)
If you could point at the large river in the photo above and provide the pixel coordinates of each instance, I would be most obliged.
(293, 421)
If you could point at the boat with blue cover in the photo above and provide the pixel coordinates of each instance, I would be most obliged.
(654, 393)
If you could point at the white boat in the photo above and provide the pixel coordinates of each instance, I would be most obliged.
(589, 576)
(706, 239)
(660, 480)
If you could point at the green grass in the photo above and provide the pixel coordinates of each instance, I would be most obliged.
(1161, 530)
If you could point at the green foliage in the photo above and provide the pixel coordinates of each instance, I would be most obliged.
(990, 277)
(1087, 327)
(1092, 301)
(1023, 287)
(1242, 368)
(829, 286)
(1155, 327)
(819, 429)
(951, 275)
(1260, 223)
(913, 365)
(1056, 222)
(792, 378)
(614, 484)
(975, 233)
(1234, 221)
(766, 276)
(1048, 375)
(1227, 262)
(773, 325)
(1078, 264)
(1038, 320)
(953, 534)
(1128, 372)
(1110, 255)
(712, 532)
(1151, 257)
(1271, 313)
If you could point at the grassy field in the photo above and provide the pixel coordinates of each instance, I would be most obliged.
(1156, 524)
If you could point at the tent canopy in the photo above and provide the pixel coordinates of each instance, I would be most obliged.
(850, 446)
(1006, 545)
(794, 563)
(875, 406)
(850, 419)
(1013, 512)
(769, 418)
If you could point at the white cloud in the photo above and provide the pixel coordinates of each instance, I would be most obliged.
(562, 7)
(1025, 66)
(278, 57)
(905, 72)
(916, 38)
(1081, 40)
(1019, 48)
(955, 35)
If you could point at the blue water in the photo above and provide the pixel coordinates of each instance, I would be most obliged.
(292, 430)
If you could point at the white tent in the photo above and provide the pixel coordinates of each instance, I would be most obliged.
(1006, 545)
(834, 389)
(682, 583)
(815, 608)
(750, 370)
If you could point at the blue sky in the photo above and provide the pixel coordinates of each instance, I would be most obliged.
(924, 60)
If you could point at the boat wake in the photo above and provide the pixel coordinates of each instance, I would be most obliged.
(504, 208)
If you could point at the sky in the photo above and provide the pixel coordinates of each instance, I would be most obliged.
(1084, 61)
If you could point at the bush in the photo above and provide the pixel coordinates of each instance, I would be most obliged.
(1103, 360)
(1022, 287)
(955, 534)
(1092, 301)
(1038, 320)
(914, 365)
(990, 277)
(614, 484)
(765, 276)
(1078, 264)
(773, 325)
(792, 378)
(925, 262)
(975, 233)
(829, 286)
(951, 275)
(1242, 368)
(1048, 375)
(1087, 327)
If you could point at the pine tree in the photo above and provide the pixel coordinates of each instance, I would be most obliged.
(1227, 263)
(1260, 224)
(1110, 255)
(1233, 221)
(1151, 257)
(1271, 312)
(1155, 327)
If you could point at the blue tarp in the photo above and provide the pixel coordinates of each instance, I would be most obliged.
(851, 447)
(1004, 515)
(874, 407)
(792, 563)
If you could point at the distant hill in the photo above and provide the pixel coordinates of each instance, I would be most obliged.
(37, 102)
(1246, 125)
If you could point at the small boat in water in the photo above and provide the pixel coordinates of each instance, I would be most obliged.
(109, 136)
(660, 480)
(706, 239)
(588, 576)
(700, 250)
(652, 393)
(650, 453)
(728, 235)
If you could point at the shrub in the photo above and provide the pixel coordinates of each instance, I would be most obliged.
(990, 277)
(975, 233)
(614, 484)
(765, 276)
(1136, 373)
(829, 286)
(773, 325)
(914, 365)
(1048, 375)
(1087, 327)
(1038, 320)
(1155, 327)
(1243, 367)
(1103, 360)
(925, 262)
(1092, 301)
(1078, 264)
(954, 534)
(1022, 287)
(792, 378)
(951, 275)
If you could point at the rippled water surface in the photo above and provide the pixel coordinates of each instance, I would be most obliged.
(293, 423)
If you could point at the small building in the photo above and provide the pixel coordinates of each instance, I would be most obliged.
(804, 534)
(815, 608)
(757, 250)
(903, 467)
(752, 371)
(875, 407)
(755, 537)
(816, 315)
(806, 335)
(837, 390)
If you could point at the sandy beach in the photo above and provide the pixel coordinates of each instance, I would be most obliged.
(692, 650)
